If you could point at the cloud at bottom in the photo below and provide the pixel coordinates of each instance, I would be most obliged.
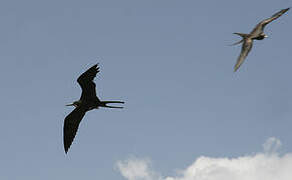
(266, 165)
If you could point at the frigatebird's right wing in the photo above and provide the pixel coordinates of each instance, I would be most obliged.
(85, 80)
(260, 26)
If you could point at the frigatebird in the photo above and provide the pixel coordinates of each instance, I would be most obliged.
(257, 33)
(87, 102)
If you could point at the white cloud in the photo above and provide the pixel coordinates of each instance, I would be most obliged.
(272, 145)
(268, 165)
(137, 169)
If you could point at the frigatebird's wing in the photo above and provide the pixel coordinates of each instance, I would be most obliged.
(71, 124)
(85, 80)
(246, 47)
(260, 26)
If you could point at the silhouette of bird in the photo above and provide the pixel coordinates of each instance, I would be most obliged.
(257, 33)
(87, 102)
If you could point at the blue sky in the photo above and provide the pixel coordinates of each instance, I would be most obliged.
(168, 60)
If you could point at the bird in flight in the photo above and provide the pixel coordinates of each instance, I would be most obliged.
(87, 102)
(257, 33)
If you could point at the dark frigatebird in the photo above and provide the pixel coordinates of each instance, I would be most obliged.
(257, 33)
(87, 102)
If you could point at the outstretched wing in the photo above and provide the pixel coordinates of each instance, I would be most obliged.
(260, 26)
(246, 47)
(85, 80)
(71, 124)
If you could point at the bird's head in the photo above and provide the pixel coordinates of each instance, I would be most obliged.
(261, 36)
(75, 104)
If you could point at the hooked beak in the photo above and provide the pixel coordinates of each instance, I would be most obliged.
(266, 36)
(69, 104)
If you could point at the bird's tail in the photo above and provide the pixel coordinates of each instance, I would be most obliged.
(107, 102)
(243, 37)
(236, 43)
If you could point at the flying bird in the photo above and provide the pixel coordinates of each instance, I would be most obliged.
(87, 102)
(257, 33)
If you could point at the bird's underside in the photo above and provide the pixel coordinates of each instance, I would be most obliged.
(256, 34)
(87, 102)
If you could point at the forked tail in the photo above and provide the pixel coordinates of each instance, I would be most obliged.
(107, 102)
(242, 35)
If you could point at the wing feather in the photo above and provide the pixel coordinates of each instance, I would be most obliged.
(246, 47)
(71, 124)
(85, 80)
(260, 26)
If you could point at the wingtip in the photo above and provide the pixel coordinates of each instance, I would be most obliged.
(66, 150)
(287, 9)
(96, 67)
(66, 147)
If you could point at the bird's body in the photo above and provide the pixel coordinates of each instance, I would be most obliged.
(256, 34)
(88, 101)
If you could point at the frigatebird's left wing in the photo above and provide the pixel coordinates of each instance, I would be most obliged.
(71, 124)
(246, 47)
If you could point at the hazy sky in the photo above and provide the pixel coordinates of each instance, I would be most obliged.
(169, 60)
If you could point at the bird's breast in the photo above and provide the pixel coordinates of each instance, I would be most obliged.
(92, 105)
